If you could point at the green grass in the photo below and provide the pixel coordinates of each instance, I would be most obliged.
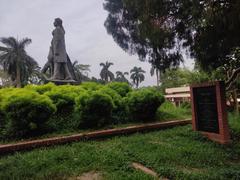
(177, 153)
(168, 111)
(234, 123)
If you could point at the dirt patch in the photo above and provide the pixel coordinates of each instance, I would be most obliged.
(146, 170)
(92, 175)
(191, 170)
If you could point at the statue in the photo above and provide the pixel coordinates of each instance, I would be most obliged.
(59, 64)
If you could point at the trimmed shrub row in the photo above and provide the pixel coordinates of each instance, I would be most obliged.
(35, 110)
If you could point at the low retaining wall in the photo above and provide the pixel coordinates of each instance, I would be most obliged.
(27, 145)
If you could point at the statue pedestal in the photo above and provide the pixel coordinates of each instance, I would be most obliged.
(64, 82)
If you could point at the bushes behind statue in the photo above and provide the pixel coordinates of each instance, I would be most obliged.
(35, 110)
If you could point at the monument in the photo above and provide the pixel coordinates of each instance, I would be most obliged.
(59, 66)
(209, 114)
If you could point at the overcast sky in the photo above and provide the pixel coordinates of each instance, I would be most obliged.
(86, 38)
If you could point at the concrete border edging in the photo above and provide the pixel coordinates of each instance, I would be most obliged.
(27, 145)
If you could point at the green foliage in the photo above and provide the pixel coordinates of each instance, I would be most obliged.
(15, 60)
(119, 113)
(116, 98)
(181, 77)
(121, 88)
(41, 89)
(89, 105)
(168, 111)
(234, 123)
(95, 109)
(91, 86)
(186, 105)
(105, 74)
(143, 29)
(64, 97)
(143, 104)
(26, 113)
(156, 30)
(120, 76)
(177, 153)
(137, 75)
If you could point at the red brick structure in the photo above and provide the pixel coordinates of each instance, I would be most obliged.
(209, 114)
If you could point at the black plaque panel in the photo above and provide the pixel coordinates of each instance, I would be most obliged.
(206, 109)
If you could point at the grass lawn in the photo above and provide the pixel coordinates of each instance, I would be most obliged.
(177, 153)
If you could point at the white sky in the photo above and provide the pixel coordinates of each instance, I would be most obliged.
(86, 37)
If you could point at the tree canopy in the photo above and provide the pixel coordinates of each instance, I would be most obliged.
(137, 75)
(135, 30)
(15, 60)
(159, 30)
(105, 74)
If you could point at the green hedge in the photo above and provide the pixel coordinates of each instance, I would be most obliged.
(95, 109)
(120, 87)
(26, 113)
(143, 104)
(41, 89)
(64, 97)
(49, 108)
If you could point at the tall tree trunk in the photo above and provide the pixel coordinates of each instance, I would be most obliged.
(157, 73)
(18, 77)
(137, 83)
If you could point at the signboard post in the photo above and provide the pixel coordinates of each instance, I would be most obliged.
(209, 114)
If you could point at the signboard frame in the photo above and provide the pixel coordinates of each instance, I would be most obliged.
(222, 135)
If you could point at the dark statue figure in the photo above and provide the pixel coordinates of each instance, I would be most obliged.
(59, 64)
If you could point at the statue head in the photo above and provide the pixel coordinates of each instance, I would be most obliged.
(57, 22)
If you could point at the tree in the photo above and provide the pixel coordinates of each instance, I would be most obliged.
(36, 77)
(81, 71)
(154, 70)
(134, 28)
(137, 75)
(120, 76)
(15, 60)
(4, 78)
(229, 72)
(105, 74)
(183, 77)
(208, 30)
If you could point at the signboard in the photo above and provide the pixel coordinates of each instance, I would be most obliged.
(209, 111)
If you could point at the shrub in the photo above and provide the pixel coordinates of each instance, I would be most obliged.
(64, 97)
(186, 105)
(120, 87)
(168, 111)
(26, 113)
(91, 86)
(41, 89)
(143, 104)
(119, 114)
(95, 109)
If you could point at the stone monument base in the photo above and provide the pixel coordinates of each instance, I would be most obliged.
(64, 82)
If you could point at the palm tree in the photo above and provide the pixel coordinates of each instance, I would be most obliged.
(137, 75)
(81, 70)
(36, 76)
(15, 60)
(121, 76)
(154, 70)
(105, 74)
